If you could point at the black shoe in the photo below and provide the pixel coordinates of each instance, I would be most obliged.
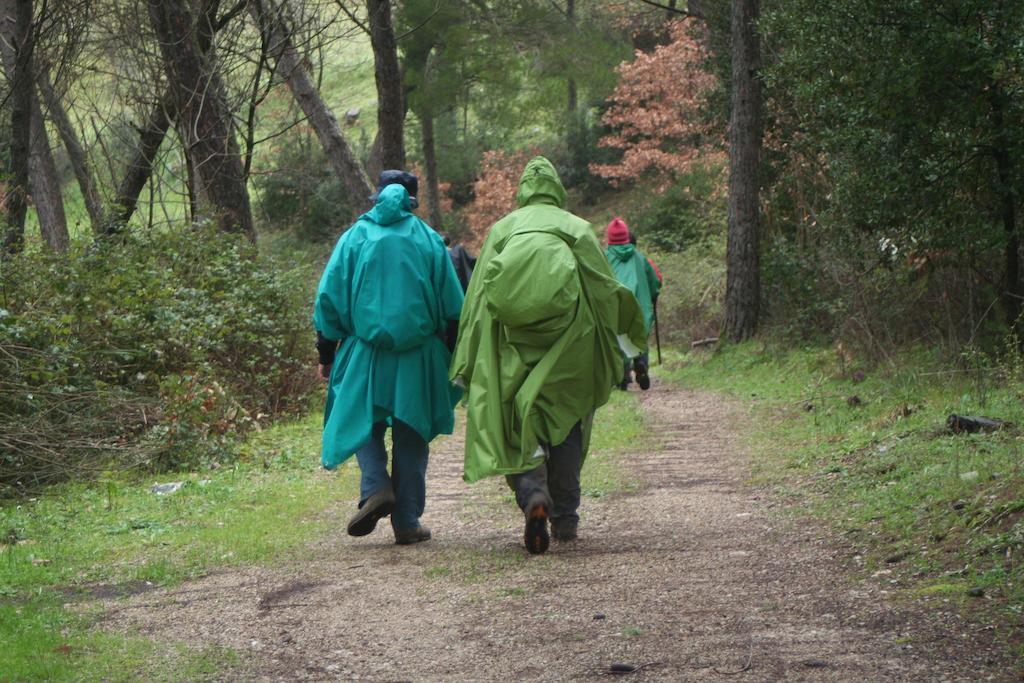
(564, 529)
(410, 536)
(642, 378)
(371, 511)
(535, 535)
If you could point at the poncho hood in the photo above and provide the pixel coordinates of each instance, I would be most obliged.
(540, 184)
(620, 252)
(392, 206)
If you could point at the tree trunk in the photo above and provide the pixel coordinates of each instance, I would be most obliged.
(436, 217)
(388, 75)
(44, 182)
(77, 155)
(140, 168)
(743, 277)
(570, 14)
(17, 31)
(1013, 291)
(43, 179)
(151, 137)
(199, 95)
(290, 66)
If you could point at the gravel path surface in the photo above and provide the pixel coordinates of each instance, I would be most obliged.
(692, 577)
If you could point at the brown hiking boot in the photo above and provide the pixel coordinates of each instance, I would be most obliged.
(371, 511)
(410, 536)
(535, 535)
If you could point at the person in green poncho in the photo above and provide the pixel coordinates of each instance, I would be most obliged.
(382, 312)
(635, 271)
(540, 338)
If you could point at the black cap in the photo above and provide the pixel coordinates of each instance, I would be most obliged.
(395, 177)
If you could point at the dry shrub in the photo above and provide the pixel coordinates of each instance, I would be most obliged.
(494, 192)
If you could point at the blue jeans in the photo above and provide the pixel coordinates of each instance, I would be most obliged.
(408, 471)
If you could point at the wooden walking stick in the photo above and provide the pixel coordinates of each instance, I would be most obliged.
(657, 336)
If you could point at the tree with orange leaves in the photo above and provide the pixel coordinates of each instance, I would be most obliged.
(655, 111)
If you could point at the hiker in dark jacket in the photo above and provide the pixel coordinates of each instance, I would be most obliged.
(464, 263)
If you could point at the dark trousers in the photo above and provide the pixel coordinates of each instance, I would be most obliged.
(634, 364)
(558, 478)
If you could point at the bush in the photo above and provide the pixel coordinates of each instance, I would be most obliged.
(690, 211)
(690, 304)
(149, 351)
(301, 193)
(876, 301)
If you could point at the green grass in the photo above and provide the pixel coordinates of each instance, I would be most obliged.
(618, 428)
(116, 536)
(911, 497)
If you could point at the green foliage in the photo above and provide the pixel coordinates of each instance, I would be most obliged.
(300, 192)
(913, 499)
(692, 210)
(861, 144)
(818, 291)
(583, 151)
(147, 351)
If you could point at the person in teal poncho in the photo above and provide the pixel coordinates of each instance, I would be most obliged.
(636, 272)
(539, 352)
(382, 312)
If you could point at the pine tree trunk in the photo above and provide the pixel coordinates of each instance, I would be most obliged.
(388, 75)
(743, 277)
(1013, 291)
(320, 116)
(77, 155)
(199, 96)
(570, 14)
(16, 20)
(431, 183)
(44, 182)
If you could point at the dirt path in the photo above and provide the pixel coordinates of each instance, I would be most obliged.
(691, 578)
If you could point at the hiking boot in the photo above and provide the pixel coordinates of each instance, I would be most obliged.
(642, 378)
(535, 535)
(371, 511)
(410, 536)
(564, 529)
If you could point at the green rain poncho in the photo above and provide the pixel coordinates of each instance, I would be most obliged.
(386, 295)
(634, 271)
(539, 339)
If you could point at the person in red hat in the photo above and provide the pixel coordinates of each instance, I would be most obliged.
(634, 270)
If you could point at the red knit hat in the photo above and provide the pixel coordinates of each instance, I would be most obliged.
(618, 232)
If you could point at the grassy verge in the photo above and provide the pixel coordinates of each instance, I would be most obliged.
(117, 537)
(618, 428)
(939, 515)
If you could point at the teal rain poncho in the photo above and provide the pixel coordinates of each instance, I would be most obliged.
(634, 271)
(539, 337)
(386, 295)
